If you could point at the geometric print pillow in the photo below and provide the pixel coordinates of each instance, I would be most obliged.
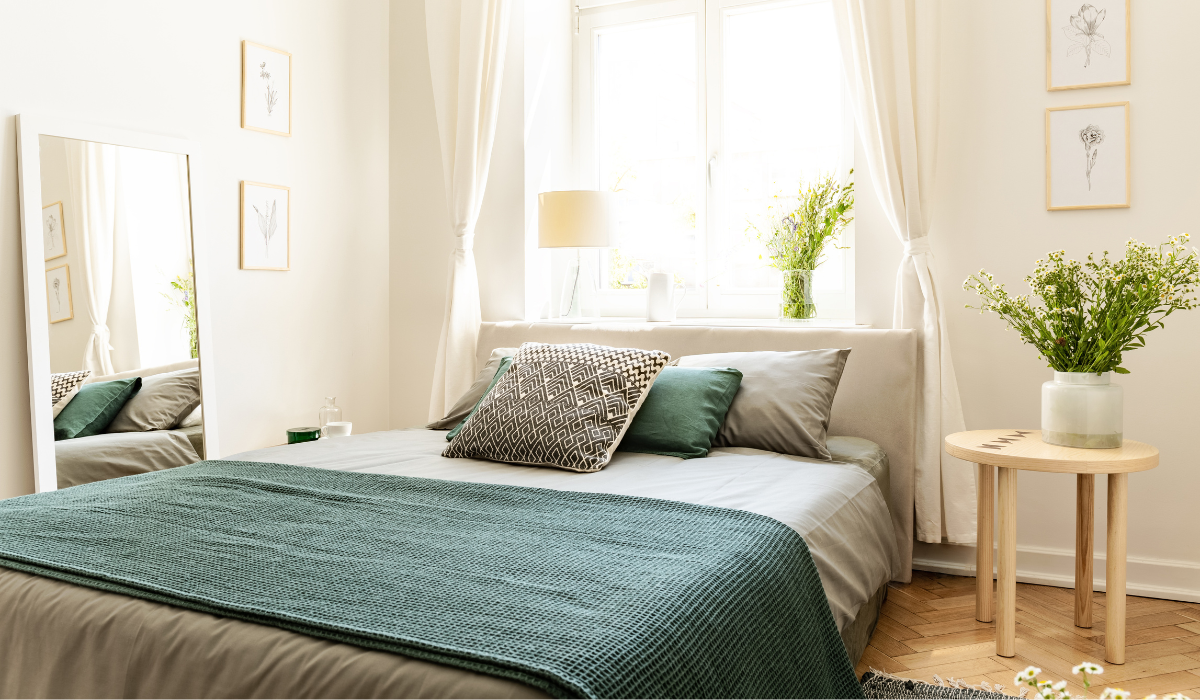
(64, 383)
(564, 406)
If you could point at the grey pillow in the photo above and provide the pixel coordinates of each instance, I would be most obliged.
(479, 387)
(165, 399)
(784, 401)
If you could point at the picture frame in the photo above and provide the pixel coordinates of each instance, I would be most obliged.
(1088, 157)
(59, 303)
(266, 89)
(263, 216)
(1087, 46)
(54, 231)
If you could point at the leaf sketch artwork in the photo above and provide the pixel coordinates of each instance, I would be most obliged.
(57, 283)
(266, 89)
(1091, 136)
(265, 227)
(1083, 31)
(267, 224)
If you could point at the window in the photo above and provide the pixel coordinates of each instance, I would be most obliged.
(700, 114)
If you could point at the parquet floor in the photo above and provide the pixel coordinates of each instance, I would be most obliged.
(928, 627)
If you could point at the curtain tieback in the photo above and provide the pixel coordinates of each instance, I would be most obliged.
(103, 334)
(917, 246)
(464, 241)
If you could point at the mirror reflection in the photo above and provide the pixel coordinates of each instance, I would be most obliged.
(124, 355)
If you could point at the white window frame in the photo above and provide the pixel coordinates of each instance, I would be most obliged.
(715, 300)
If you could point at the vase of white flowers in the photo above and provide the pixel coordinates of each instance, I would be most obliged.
(795, 239)
(1083, 319)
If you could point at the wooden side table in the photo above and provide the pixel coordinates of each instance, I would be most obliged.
(1012, 450)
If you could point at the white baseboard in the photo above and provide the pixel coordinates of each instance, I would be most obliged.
(1152, 578)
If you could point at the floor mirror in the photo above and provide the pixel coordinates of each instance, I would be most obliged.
(120, 359)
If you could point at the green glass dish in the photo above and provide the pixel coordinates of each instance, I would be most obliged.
(303, 435)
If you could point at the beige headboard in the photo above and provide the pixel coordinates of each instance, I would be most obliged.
(876, 399)
(146, 371)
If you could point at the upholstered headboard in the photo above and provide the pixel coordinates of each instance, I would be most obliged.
(876, 399)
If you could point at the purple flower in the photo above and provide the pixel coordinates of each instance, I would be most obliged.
(790, 223)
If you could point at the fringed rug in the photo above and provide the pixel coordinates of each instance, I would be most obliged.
(881, 685)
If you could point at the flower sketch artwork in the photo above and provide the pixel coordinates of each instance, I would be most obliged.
(1091, 136)
(265, 227)
(58, 294)
(266, 89)
(54, 241)
(1084, 34)
(1089, 44)
(1087, 151)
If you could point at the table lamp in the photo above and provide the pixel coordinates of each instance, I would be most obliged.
(576, 219)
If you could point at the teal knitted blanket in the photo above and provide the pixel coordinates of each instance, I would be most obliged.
(578, 594)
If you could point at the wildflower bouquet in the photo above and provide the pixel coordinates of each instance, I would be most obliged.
(183, 295)
(1091, 313)
(1047, 690)
(795, 242)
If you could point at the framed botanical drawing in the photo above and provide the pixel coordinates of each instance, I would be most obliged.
(58, 294)
(1087, 156)
(54, 235)
(1087, 45)
(266, 89)
(266, 227)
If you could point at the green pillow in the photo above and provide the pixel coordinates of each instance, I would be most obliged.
(683, 412)
(94, 407)
(504, 365)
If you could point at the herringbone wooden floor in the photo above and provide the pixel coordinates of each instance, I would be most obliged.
(928, 627)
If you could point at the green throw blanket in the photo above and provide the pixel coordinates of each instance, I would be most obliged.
(579, 594)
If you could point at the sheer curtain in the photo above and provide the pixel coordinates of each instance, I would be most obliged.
(466, 61)
(92, 176)
(890, 54)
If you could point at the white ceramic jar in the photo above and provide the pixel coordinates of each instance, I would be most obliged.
(1082, 409)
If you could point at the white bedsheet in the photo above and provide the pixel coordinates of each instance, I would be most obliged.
(837, 507)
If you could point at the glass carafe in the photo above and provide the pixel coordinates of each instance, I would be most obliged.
(330, 413)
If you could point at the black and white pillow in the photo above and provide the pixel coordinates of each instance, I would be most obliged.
(565, 406)
(66, 382)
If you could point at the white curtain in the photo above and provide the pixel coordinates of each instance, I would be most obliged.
(92, 175)
(466, 61)
(890, 51)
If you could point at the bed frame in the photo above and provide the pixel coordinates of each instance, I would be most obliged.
(876, 399)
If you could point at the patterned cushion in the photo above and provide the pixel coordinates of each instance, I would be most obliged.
(65, 383)
(563, 406)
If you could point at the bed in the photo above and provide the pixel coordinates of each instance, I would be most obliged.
(852, 513)
(112, 455)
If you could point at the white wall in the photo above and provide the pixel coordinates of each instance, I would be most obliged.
(421, 240)
(282, 340)
(990, 212)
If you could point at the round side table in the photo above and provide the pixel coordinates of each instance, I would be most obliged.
(1012, 450)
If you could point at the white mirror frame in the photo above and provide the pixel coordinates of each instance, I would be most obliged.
(37, 330)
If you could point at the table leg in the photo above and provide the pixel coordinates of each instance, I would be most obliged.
(984, 539)
(1006, 588)
(1085, 504)
(1118, 515)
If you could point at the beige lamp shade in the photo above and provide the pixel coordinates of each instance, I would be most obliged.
(576, 219)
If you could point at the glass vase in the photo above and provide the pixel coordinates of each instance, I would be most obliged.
(329, 413)
(796, 303)
(1082, 409)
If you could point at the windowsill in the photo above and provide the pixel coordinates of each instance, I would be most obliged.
(718, 322)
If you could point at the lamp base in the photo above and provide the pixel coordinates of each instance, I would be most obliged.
(578, 298)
